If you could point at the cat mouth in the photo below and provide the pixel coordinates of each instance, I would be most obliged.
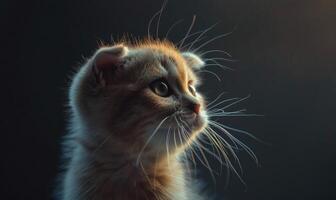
(179, 129)
(190, 121)
(185, 121)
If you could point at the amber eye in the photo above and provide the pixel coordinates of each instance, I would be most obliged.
(160, 87)
(192, 90)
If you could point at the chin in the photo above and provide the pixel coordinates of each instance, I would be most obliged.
(198, 122)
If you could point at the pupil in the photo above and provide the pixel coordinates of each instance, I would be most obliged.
(192, 90)
(162, 87)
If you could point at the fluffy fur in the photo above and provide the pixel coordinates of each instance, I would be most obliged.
(126, 140)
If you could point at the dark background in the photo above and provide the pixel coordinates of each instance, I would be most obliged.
(286, 62)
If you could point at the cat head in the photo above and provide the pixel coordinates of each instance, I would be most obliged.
(143, 95)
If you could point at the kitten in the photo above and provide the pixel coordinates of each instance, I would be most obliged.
(134, 111)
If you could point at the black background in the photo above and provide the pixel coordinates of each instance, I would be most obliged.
(286, 62)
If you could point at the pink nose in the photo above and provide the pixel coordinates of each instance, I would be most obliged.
(197, 108)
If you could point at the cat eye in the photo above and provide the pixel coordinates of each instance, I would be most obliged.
(161, 88)
(192, 90)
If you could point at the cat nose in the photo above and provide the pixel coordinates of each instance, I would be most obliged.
(195, 107)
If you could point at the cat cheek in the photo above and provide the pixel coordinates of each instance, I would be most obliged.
(162, 105)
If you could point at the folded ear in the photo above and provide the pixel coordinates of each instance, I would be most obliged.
(107, 61)
(193, 60)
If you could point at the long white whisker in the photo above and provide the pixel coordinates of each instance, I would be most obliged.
(215, 146)
(241, 131)
(182, 127)
(229, 162)
(191, 150)
(219, 96)
(234, 103)
(228, 134)
(184, 152)
(149, 139)
(215, 63)
(221, 111)
(172, 26)
(215, 50)
(150, 23)
(248, 150)
(232, 115)
(219, 58)
(167, 145)
(190, 35)
(188, 32)
(217, 157)
(210, 72)
(213, 39)
(220, 150)
(223, 101)
(189, 43)
(219, 65)
(159, 19)
(207, 164)
(204, 32)
(223, 143)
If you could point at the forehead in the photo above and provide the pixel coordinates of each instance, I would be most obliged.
(157, 61)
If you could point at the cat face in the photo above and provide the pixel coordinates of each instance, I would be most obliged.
(144, 95)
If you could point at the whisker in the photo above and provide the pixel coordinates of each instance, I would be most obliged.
(184, 153)
(188, 32)
(172, 27)
(150, 23)
(221, 111)
(191, 151)
(220, 149)
(147, 178)
(218, 112)
(230, 137)
(207, 164)
(219, 96)
(223, 101)
(159, 19)
(204, 32)
(150, 138)
(232, 115)
(112, 39)
(102, 144)
(223, 144)
(220, 140)
(190, 35)
(215, 147)
(215, 63)
(210, 72)
(191, 148)
(167, 145)
(189, 43)
(175, 139)
(228, 146)
(244, 146)
(234, 103)
(229, 162)
(215, 50)
(213, 39)
(243, 132)
(220, 58)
